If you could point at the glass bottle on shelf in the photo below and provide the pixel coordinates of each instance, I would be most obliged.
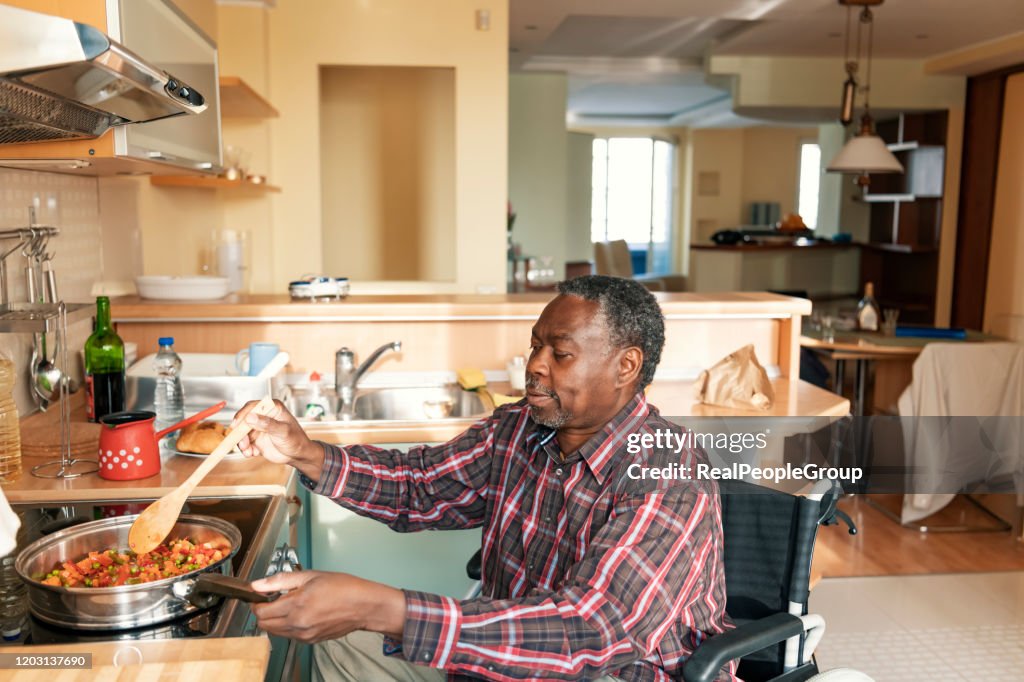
(868, 312)
(104, 366)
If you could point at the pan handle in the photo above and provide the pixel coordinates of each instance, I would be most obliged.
(208, 412)
(210, 585)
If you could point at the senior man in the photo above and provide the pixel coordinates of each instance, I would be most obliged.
(585, 575)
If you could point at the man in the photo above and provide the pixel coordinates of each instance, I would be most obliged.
(585, 575)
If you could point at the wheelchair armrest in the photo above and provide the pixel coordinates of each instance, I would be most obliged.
(473, 566)
(711, 655)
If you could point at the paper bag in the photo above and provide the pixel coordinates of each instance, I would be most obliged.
(737, 380)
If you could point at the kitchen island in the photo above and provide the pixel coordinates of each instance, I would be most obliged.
(447, 332)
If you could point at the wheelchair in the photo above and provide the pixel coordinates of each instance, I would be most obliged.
(768, 545)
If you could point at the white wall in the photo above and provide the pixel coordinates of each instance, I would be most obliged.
(538, 165)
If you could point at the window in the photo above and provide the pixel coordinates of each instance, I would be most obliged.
(632, 196)
(809, 183)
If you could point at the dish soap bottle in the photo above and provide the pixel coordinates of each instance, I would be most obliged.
(868, 312)
(104, 366)
(316, 406)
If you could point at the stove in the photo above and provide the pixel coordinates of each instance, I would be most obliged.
(264, 550)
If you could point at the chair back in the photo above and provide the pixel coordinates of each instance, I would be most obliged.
(768, 545)
(613, 259)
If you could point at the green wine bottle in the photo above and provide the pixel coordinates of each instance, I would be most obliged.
(104, 366)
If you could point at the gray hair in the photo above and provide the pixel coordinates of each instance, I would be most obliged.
(631, 313)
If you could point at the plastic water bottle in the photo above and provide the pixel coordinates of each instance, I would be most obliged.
(169, 400)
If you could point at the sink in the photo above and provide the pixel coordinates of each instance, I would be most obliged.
(419, 403)
(404, 403)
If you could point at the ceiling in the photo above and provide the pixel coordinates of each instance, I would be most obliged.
(640, 61)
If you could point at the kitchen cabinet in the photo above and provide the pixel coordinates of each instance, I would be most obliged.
(901, 255)
(186, 144)
(434, 561)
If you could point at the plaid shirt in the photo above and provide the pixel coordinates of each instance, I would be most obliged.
(584, 575)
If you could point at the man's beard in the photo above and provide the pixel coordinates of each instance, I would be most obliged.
(556, 421)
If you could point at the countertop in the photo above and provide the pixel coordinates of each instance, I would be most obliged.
(280, 308)
(225, 658)
(259, 477)
(754, 247)
(672, 398)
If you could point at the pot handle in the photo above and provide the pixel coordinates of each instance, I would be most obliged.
(208, 412)
(226, 586)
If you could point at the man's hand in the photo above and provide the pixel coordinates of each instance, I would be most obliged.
(279, 438)
(320, 606)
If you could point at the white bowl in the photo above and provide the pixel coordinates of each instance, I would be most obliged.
(197, 288)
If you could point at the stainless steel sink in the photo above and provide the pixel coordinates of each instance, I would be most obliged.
(418, 404)
(407, 403)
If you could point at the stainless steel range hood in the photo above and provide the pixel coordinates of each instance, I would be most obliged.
(60, 79)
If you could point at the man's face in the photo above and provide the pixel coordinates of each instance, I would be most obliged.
(572, 371)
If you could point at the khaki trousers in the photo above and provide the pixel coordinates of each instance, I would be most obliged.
(359, 657)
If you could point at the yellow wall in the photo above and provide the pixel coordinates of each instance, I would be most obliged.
(303, 36)
(716, 181)
(771, 161)
(388, 168)
(1004, 294)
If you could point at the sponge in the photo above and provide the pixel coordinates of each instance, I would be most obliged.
(471, 379)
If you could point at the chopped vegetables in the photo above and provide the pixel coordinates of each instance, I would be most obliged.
(111, 568)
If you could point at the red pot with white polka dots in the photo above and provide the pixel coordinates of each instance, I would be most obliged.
(129, 448)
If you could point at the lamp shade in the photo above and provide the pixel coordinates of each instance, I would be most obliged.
(865, 153)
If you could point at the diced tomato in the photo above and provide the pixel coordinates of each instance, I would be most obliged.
(102, 559)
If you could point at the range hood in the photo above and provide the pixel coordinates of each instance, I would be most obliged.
(60, 79)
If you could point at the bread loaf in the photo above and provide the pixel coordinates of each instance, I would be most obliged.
(201, 438)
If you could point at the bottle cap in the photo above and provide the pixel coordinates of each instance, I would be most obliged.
(11, 633)
(314, 377)
(166, 341)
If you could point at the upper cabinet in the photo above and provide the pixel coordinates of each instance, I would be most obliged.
(163, 36)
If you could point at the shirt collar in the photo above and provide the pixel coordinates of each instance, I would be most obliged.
(599, 451)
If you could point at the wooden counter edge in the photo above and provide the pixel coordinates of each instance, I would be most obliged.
(256, 307)
(254, 652)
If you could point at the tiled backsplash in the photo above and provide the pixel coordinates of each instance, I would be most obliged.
(70, 203)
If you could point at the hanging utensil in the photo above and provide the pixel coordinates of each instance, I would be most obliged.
(157, 520)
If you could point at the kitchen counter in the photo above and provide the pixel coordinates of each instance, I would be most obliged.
(259, 477)
(280, 308)
(228, 658)
(240, 476)
(673, 399)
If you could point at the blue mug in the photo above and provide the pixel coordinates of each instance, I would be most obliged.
(253, 359)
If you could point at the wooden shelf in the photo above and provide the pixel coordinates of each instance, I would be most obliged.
(239, 100)
(207, 182)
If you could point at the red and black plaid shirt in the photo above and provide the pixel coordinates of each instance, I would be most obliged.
(584, 574)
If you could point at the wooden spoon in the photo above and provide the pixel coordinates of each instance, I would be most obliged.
(157, 520)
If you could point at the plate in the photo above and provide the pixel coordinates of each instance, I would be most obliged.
(199, 288)
(169, 445)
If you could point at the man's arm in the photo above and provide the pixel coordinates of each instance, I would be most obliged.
(655, 563)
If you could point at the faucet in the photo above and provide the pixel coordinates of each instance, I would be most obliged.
(347, 374)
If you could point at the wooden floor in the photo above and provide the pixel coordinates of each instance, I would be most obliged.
(883, 547)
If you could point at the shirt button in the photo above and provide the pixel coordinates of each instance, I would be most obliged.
(547, 519)
(558, 472)
(426, 657)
